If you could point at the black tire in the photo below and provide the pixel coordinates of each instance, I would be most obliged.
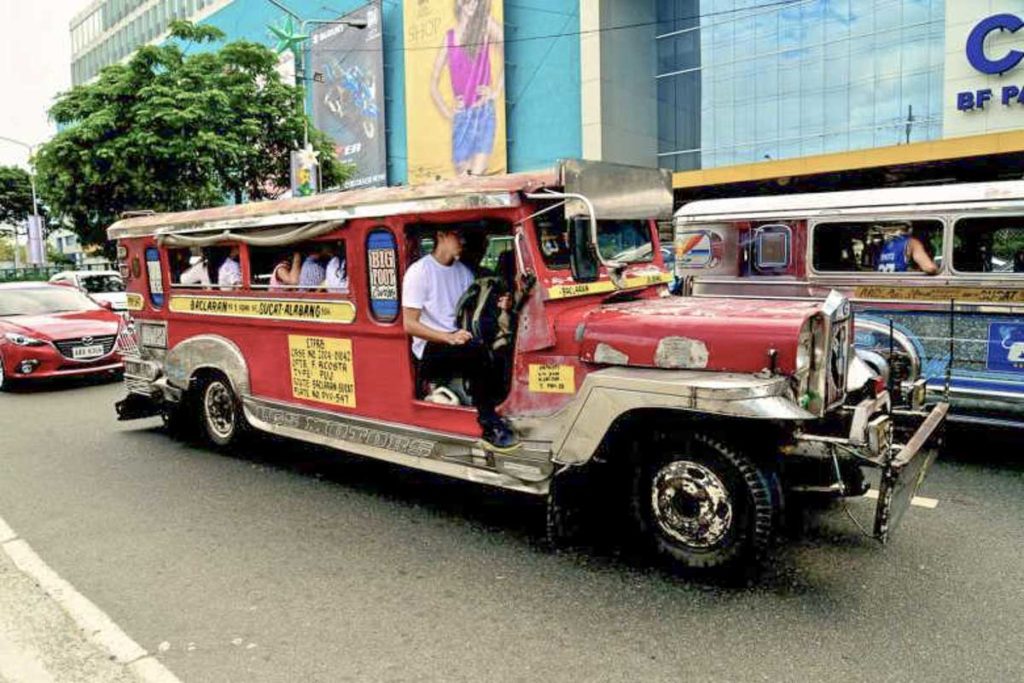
(703, 505)
(220, 411)
(6, 383)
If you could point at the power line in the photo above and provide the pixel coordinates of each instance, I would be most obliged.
(781, 4)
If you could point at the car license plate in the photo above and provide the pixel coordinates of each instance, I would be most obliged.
(91, 351)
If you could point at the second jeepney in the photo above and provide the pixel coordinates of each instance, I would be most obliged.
(708, 413)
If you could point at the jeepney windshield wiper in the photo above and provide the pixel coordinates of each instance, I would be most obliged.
(622, 296)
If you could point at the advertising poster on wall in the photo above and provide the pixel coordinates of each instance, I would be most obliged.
(347, 68)
(455, 88)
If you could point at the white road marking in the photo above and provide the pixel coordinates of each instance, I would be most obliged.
(918, 501)
(94, 622)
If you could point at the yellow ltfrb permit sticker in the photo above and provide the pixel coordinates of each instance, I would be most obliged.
(321, 370)
(270, 309)
(133, 301)
(604, 286)
(552, 379)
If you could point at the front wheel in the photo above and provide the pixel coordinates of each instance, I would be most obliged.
(703, 505)
(220, 412)
(5, 381)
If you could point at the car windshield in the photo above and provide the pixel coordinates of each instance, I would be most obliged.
(43, 301)
(625, 241)
(102, 284)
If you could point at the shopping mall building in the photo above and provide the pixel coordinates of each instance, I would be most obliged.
(735, 96)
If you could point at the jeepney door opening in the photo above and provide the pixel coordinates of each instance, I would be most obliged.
(489, 252)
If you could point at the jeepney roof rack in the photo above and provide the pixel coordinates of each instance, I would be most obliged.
(616, 191)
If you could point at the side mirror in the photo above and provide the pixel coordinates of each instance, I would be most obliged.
(582, 258)
(106, 304)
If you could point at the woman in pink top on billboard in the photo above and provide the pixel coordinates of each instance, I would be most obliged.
(467, 50)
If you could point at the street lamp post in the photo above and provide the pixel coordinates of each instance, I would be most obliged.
(296, 42)
(35, 200)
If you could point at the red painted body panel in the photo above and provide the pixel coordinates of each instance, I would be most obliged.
(737, 334)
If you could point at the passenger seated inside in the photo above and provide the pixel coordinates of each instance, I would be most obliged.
(229, 275)
(901, 250)
(431, 293)
(286, 272)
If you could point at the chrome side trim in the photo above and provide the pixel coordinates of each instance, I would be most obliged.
(607, 394)
(207, 351)
(452, 455)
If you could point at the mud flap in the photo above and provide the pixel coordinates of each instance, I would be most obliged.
(903, 474)
(136, 407)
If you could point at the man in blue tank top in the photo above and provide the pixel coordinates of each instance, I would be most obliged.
(902, 250)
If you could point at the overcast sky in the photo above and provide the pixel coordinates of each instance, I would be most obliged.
(35, 42)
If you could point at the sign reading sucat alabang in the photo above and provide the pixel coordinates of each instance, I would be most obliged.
(994, 60)
(307, 310)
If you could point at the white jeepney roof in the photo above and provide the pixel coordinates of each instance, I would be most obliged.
(447, 195)
(965, 196)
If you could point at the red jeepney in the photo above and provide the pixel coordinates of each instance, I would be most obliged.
(704, 406)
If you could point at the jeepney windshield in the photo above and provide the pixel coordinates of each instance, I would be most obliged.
(625, 241)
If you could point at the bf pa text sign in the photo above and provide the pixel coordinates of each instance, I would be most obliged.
(992, 65)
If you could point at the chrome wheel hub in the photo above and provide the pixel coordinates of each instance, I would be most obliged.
(691, 504)
(220, 409)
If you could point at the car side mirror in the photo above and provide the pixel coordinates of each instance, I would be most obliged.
(582, 257)
(106, 304)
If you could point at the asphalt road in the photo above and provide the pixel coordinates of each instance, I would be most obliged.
(290, 563)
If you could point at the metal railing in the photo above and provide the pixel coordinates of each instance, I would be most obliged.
(43, 273)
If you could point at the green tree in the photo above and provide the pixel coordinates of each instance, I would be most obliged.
(15, 194)
(173, 130)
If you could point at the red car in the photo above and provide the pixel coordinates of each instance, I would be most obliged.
(53, 331)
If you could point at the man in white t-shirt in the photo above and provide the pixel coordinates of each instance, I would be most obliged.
(430, 294)
(229, 275)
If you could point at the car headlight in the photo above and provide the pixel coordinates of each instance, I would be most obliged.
(22, 340)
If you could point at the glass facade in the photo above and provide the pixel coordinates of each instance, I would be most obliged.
(111, 30)
(741, 81)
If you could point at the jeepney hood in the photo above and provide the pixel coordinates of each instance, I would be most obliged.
(726, 335)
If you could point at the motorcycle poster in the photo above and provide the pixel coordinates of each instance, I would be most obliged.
(347, 69)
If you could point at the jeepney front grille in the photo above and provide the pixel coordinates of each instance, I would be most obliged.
(838, 356)
(128, 341)
(67, 346)
(138, 385)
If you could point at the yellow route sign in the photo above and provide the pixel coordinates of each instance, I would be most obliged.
(552, 379)
(603, 286)
(300, 310)
(965, 294)
(321, 369)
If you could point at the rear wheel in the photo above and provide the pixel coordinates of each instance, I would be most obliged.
(220, 412)
(703, 505)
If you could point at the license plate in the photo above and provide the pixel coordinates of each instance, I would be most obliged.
(91, 351)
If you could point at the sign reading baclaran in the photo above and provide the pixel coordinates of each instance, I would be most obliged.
(993, 62)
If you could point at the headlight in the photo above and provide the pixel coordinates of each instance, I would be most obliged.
(22, 340)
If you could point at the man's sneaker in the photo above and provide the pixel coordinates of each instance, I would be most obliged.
(498, 436)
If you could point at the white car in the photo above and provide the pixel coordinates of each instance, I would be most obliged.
(101, 285)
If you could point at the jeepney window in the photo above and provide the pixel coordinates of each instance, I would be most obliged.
(552, 237)
(315, 266)
(193, 268)
(989, 245)
(772, 246)
(859, 246)
(154, 275)
(382, 274)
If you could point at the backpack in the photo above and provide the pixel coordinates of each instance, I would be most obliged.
(478, 313)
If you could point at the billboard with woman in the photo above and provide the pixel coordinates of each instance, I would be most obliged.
(455, 88)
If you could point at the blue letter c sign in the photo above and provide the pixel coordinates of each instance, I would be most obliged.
(976, 44)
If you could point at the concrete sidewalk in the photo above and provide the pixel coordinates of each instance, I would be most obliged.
(40, 643)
